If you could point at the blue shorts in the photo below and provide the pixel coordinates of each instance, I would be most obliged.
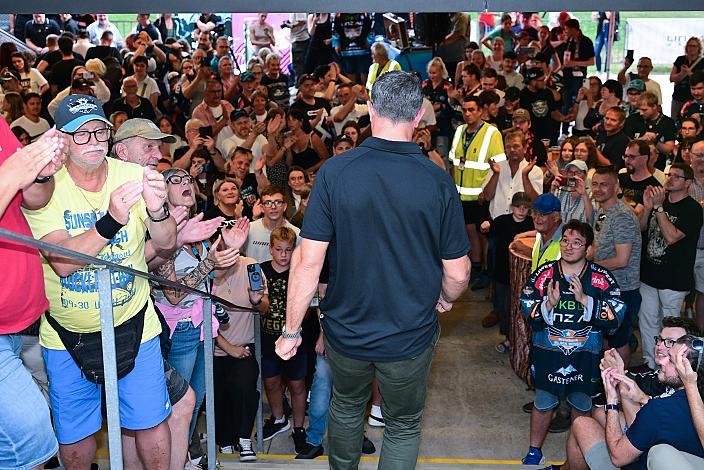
(545, 401)
(295, 368)
(26, 437)
(76, 402)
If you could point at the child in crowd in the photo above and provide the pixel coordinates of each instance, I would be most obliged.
(275, 369)
(503, 229)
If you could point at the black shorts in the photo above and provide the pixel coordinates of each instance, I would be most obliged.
(273, 366)
(474, 212)
(356, 64)
(175, 384)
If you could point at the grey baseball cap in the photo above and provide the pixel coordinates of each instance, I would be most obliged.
(145, 128)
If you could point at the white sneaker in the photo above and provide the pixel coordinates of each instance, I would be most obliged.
(247, 454)
(376, 421)
(227, 450)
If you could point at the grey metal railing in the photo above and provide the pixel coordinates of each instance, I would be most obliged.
(107, 326)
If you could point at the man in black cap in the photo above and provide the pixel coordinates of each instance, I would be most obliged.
(541, 105)
(10, 81)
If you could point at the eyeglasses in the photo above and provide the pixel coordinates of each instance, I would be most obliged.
(697, 154)
(573, 244)
(274, 203)
(597, 225)
(672, 175)
(227, 223)
(83, 137)
(630, 156)
(666, 341)
(178, 179)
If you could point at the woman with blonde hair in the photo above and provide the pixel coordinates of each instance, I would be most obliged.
(436, 89)
(684, 66)
(226, 196)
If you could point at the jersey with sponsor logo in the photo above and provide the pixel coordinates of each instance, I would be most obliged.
(567, 340)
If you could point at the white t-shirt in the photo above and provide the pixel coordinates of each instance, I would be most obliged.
(428, 118)
(146, 88)
(230, 141)
(32, 81)
(357, 112)
(35, 129)
(513, 79)
(508, 186)
(257, 244)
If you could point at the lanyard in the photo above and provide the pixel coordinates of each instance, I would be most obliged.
(466, 143)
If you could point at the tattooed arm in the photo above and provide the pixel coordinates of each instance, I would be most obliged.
(192, 279)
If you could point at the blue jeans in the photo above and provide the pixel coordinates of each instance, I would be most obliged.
(26, 436)
(601, 39)
(320, 392)
(187, 356)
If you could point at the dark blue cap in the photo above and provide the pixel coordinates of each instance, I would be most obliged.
(546, 203)
(76, 110)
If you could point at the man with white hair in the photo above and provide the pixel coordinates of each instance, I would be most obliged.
(381, 64)
(102, 207)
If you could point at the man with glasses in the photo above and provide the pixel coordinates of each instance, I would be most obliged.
(214, 111)
(569, 304)
(644, 67)
(671, 222)
(586, 445)
(102, 207)
(637, 175)
(273, 207)
(634, 89)
(618, 245)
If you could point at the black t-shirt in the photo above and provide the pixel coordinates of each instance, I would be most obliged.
(386, 245)
(663, 127)
(681, 90)
(311, 111)
(540, 104)
(666, 266)
(581, 49)
(273, 319)
(61, 73)
(613, 146)
(633, 190)
(145, 110)
(150, 29)
(54, 57)
(38, 32)
(278, 89)
(503, 229)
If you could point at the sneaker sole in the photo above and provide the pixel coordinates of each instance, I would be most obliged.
(376, 422)
(249, 458)
(284, 429)
(542, 462)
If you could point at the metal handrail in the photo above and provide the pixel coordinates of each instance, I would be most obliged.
(107, 326)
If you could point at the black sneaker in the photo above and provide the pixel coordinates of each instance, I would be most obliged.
(368, 446)
(247, 454)
(309, 451)
(287, 407)
(272, 428)
(299, 439)
(528, 407)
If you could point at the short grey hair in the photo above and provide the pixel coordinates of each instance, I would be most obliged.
(397, 96)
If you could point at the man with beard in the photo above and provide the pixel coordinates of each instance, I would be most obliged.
(569, 304)
(671, 221)
(102, 207)
(611, 142)
(652, 126)
(541, 105)
(638, 175)
(586, 445)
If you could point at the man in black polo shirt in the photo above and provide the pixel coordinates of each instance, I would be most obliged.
(379, 313)
(652, 125)
(611, 141)
(38, 29)
(578, 55)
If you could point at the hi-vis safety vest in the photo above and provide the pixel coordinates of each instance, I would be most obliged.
(551, 253)
(375, 73)
(486, 143)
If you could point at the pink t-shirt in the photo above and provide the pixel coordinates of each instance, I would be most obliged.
(22, 297)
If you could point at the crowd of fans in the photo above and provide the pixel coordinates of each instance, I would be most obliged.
(222, 157)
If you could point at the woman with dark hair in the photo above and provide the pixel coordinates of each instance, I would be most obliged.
(21, 134)
(304, 147)
(12, 106)
(6, 51)
(295, 182)
(320, 50)
(351, 130)
(611, 93)
(30, 78)
(168, 126)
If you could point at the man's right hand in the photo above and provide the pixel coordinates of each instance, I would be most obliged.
(29, 162)
(123, 198)
(553, 289)
(443, 305)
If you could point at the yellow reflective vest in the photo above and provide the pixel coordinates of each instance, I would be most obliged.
(476, 149)
(375, 73)
(551, 253)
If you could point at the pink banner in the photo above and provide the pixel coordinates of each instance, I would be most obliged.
(240, 35)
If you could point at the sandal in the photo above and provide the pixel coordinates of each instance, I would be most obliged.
(502, 347)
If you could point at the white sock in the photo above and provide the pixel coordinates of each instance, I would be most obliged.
(376, 410)
(280, 420)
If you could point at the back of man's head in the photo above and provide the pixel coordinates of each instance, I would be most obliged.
(397, 96)
(66, 46)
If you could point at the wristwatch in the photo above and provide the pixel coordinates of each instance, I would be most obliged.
(659, 209)
(611, 406)
(162, 218)
(42, 180)
(285, 334)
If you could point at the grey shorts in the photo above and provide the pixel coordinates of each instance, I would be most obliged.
(175, 384)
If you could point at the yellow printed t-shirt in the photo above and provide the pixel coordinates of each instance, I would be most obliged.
(74, 300)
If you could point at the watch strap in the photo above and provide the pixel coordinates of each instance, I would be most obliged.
(611, 406)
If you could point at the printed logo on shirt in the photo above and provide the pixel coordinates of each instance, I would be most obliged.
(568, 341)
(540, 108)
(599, 280)
(567, 375)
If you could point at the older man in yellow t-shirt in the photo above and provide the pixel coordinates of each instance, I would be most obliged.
(101, 207)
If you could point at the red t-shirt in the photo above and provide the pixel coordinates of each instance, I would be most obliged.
(22, 296)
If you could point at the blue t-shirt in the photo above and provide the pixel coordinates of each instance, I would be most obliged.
(391, 216)
(665, 420)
